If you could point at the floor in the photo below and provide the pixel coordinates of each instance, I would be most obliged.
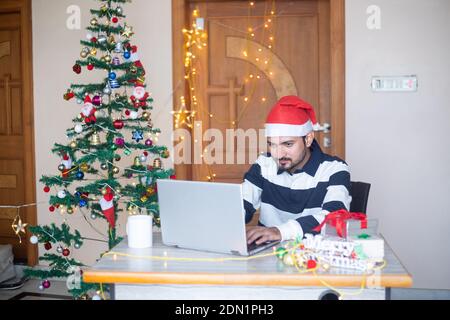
(58, 291)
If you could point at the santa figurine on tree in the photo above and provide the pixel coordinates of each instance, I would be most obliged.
(88, 111)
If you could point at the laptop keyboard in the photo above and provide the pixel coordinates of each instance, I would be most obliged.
(253, 246)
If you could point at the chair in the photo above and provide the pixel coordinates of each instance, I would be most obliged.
(360, 196)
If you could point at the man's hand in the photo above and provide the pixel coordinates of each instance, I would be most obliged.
(262, 234)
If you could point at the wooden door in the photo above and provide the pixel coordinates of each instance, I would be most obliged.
(17, 178)
(256, 54)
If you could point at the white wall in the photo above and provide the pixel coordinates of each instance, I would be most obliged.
(394, 141)
(55, 50)
(398, 141)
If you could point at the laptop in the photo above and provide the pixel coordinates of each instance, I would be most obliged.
(205, 216)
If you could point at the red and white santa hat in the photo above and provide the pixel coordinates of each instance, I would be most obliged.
(291, 117)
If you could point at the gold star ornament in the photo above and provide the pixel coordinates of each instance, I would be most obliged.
(18, 227)
(127, 31)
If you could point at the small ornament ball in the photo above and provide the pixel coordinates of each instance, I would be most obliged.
(34, 240)
(61, 194)
(46, 284)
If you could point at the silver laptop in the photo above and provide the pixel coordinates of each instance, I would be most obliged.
(205, 216)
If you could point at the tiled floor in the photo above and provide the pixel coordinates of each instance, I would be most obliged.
(30, 291)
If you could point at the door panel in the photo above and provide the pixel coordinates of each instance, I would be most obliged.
(241, 78)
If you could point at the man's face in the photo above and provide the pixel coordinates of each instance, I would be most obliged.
(288, 152)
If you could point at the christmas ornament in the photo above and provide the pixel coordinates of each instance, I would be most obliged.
(127, 31)
(116, 61)
(94, 22)
(84, 54)
(95, 139)
(82, 203)
(112, 40)
(93, 216)
(139, 97)
(115, 20)
(51, 209)
(112, 75)
(102, 39)
(46, 189)
(77, 246)
(116, 170)
(127, 152)
(145, 115)
(69, 95)
(104, 166)
(143, 158)
(84, 167)
(47, 246)
(108, 58)
(77, 68)
(119, 142)
(157, 164)
(59, 249)
(134, 115)
(138, 135)
(69, 210)
(61, 194)
(127, 55)
(118, 124)
(90, 67)
(107, 205)
(46, 284)
(93, 52)
(66, 252)
(78, 128)
(34, 240)
(93, 39)
(79, 175)
(88, 111)
(165, 154)
(148, 143)
(41, 287)
(133, 69)
(107, 90)
(73, 144)
(118, 47)
(119, 10)
(114, 84)
(96, 101)
(137, 162)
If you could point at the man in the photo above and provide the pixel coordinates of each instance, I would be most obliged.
(295, 185)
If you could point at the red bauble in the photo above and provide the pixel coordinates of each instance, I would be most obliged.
(46, 189)
(93, 39)
(90, 67)
(146, 153)
(118, 124)
(66, 252)
(127, 112)
(47, 246)
(77, 69)
(115, 20)
(311, 264)
(174, 177)
(51, 209)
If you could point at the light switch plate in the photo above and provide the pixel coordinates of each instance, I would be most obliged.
(394, 83)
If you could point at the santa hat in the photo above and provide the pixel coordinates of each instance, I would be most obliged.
(107, 205)
(87, 100)
(290, 117)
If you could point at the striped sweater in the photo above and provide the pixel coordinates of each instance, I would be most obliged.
(298, 202)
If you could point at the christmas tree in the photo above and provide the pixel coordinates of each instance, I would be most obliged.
(111, 162)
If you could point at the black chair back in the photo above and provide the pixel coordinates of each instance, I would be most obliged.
(360, 196)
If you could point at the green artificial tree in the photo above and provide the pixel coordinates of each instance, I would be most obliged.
(112, 161)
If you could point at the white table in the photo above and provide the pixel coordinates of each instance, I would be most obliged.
(135, 277)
